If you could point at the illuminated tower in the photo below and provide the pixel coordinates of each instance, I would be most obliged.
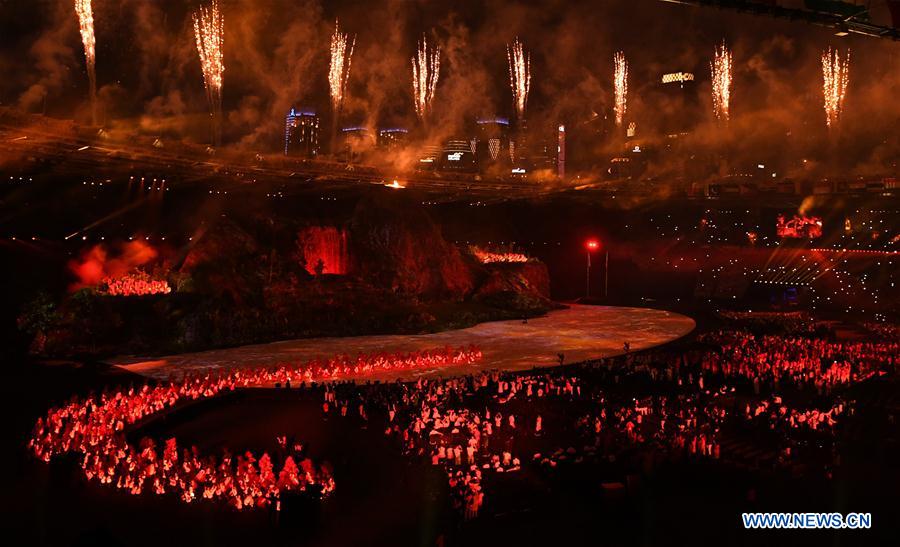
(354, 142)
(545, 146)
(301, 133)
(492, 142)
(457, 155)
(392, 137)
(678, 109)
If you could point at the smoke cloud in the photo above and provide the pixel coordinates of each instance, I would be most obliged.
(276, 56)
(101, 261)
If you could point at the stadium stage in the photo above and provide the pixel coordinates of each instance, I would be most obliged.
(579, 333)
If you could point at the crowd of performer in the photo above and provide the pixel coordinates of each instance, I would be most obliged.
(96, 428)
(135, 284)
(496, 423)
(683, 404)
(494, 257)
(360, 366)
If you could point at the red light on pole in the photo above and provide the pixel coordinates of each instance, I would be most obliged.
(593, 245)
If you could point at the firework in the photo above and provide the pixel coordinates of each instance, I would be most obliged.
(426, 67)
(339, 70)
(86, 26)
(519, 76)
(835, 78)
(620, 80)
(721, 68)
(209, 31)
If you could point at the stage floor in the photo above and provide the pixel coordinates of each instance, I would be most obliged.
(580, 333)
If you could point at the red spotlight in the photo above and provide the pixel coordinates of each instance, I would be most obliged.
(592, 245)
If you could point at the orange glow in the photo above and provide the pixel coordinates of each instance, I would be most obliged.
(209, 32)
(519, 76)
(620, 79)
(86, 27)
(491, 257)
(721, 69)
(135, 284)
(339, 70)
(836, 77)
(799, 227)
(426, 67)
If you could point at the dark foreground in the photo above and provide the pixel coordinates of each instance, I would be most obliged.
(386, 498)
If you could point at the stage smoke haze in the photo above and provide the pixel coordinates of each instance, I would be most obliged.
(277, 56)
(101, 261)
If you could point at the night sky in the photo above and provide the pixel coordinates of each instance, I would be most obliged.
(276, 55)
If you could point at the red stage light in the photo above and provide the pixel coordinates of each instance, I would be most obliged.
(592, 244)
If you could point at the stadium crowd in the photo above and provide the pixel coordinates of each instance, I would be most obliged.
(800, 361)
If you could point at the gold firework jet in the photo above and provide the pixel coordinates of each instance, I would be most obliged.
(620, 81)
(835, 78)
(519, 76)
(339, 70)
(209, 31)
(86, 26)
(426, 68)
(721, 68)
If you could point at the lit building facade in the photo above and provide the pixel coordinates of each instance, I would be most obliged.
(678, 104)
(394, 137)
(459, 155)
(544, 153)
(429, 159)
(492, 142)
(301, 133)
(355, 141)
